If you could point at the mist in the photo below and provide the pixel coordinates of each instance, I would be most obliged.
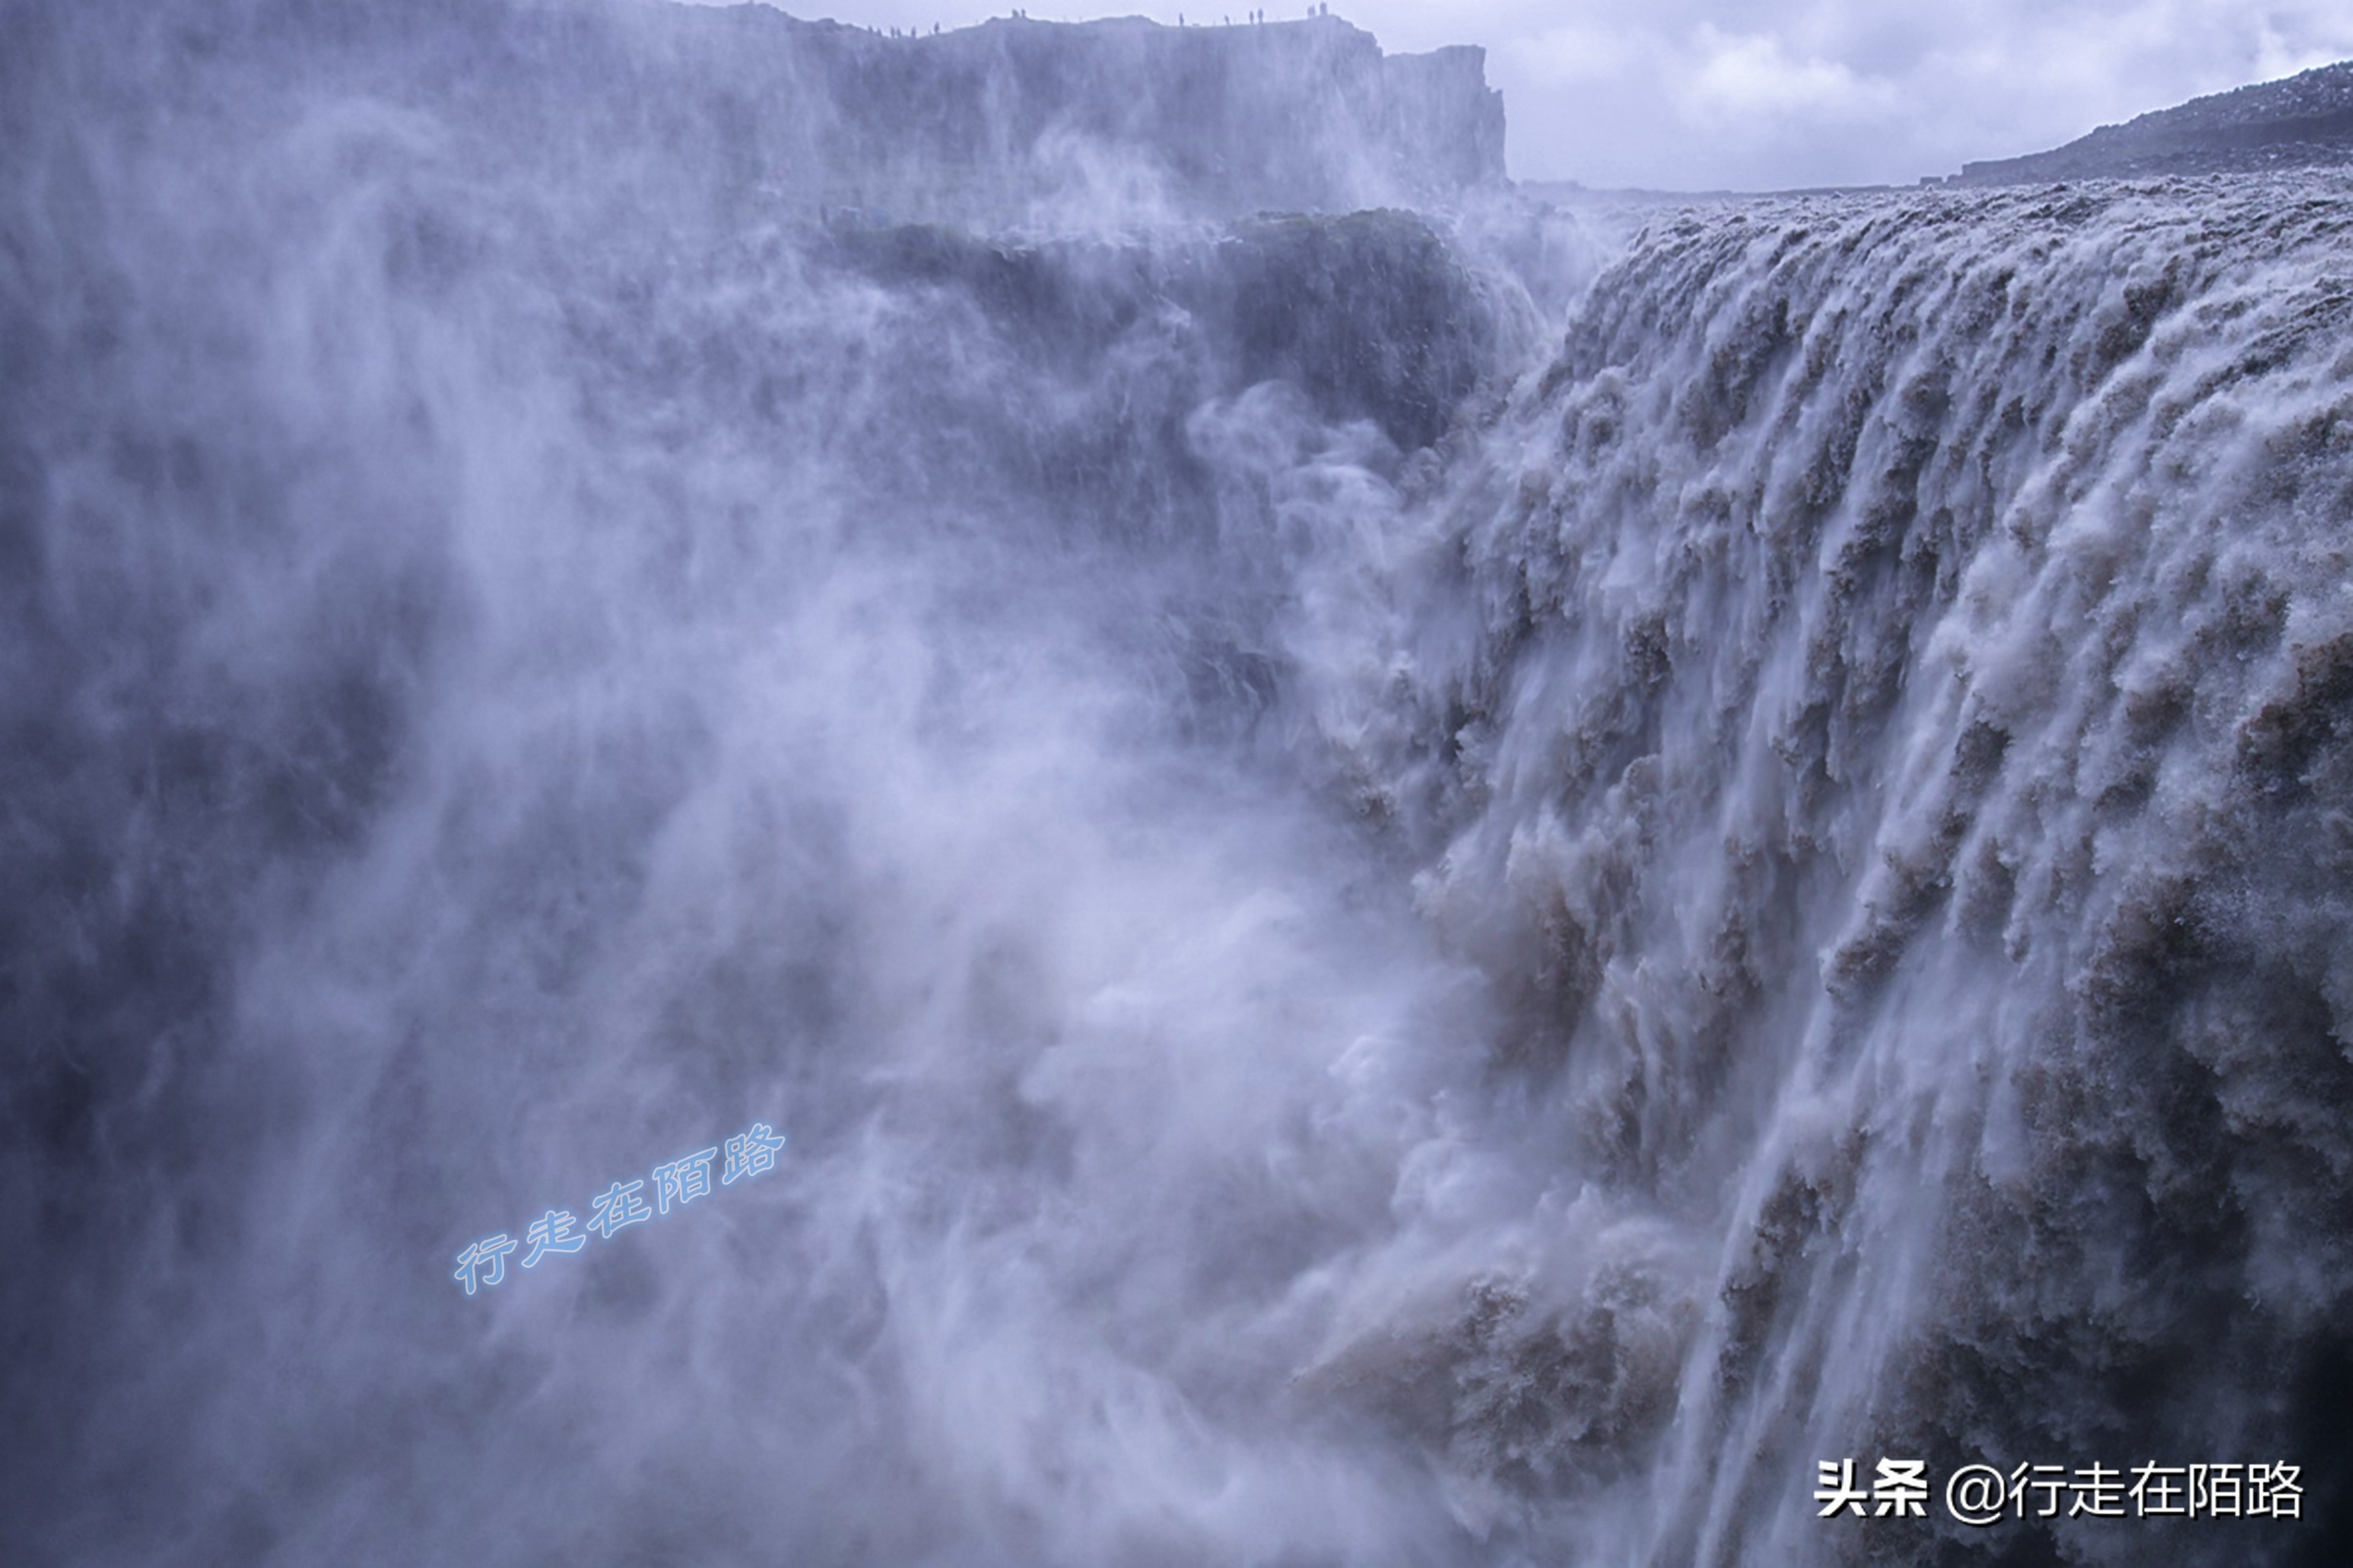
(506, 693)
(1416, 876)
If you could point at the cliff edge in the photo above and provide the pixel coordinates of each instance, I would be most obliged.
(973, 125)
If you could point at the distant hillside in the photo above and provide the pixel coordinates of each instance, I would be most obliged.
(2303, 121)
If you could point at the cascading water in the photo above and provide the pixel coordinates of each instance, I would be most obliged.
(1877, 705)
(1380, 936)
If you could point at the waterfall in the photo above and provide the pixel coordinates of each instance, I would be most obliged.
(1454, 885)
(1872, 707)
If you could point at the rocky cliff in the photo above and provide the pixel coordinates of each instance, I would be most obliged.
(1123, 118)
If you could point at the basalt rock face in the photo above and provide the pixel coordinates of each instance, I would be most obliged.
(1369, 314)
(1304, 115)
(1008, 121)
(2303, 122)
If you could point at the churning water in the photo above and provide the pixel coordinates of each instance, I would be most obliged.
(1444, 888)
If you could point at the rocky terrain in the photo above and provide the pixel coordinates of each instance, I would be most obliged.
(2303, 122)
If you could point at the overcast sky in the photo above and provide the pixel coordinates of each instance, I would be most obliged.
(1696, 94)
